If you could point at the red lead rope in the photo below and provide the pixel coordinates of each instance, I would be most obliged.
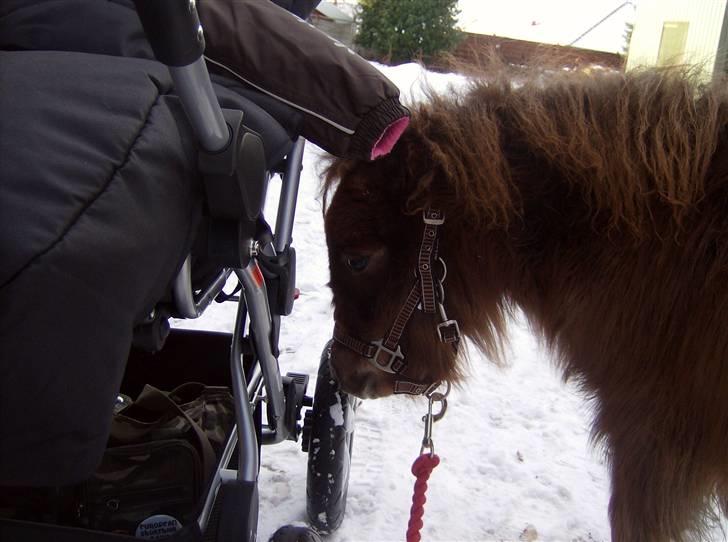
(421, 468)
(423, 465)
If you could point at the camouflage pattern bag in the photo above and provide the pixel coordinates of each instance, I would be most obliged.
(211, 407)
(162, 451)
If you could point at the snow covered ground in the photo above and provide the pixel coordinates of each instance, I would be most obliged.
(515, 459)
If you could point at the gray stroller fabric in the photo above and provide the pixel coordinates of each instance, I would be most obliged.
(100, 202)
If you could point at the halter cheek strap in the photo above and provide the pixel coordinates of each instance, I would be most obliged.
(386, 354)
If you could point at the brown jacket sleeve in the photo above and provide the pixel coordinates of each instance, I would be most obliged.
(351, 109)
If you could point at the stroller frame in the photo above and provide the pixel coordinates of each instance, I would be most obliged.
(205, 116)
(265, 374)
(198, 99)
(264, 264)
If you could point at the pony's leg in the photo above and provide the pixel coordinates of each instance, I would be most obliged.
(660, 488)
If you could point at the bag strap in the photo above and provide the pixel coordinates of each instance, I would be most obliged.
(157, 401)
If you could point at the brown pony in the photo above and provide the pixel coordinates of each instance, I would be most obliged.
(596, 204)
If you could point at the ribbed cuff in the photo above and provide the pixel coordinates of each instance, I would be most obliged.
(373, 127)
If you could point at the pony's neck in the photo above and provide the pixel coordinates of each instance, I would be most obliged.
(515, 261)
(547, 183)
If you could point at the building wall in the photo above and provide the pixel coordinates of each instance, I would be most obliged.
(706, 20)
(474, 48)
(340, 31)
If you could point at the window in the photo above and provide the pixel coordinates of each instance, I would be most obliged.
(672, 43)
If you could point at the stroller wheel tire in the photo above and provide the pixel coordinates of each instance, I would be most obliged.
(328, 439)
(293, 533)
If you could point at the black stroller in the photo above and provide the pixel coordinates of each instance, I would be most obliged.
(107, 235)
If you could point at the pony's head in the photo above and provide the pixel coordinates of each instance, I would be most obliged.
(516, 170)
(393, 333)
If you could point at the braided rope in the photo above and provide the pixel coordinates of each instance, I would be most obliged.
(421, 468)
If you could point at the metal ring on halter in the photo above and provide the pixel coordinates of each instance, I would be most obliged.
(416, 273)
(440, 296)
(444, 270)
(439, 395)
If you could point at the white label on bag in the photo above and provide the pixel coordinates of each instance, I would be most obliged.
(157, 527)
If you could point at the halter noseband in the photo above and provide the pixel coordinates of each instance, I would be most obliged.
(386, 354)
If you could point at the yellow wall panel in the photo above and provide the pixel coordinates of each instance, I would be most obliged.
(704, 18)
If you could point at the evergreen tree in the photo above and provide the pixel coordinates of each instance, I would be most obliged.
(402, 30)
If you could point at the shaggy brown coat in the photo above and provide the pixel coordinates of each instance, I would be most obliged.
(599, 206)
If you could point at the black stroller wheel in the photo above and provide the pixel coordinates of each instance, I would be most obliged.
(328, 439)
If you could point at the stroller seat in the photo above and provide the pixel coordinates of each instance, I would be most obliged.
(102, 203)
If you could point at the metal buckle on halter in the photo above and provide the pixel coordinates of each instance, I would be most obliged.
(448, 331)
(393, 361)
(433, 217)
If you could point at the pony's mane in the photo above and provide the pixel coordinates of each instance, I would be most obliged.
(626, 141)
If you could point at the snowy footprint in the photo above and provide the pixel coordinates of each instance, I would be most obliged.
(366, 476)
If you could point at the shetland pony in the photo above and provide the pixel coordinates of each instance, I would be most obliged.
(598, 205)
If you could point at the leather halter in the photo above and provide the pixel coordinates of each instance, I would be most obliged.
(386, 354)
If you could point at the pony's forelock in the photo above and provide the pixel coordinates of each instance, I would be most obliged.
(464, 167)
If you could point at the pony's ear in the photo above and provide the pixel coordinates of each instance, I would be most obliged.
(335, 169)
(424, 176)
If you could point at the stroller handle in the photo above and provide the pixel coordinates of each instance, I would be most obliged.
(174, 31)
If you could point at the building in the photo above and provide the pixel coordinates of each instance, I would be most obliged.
(596, 25)
(529, 31)
(569, 33)
(678, 32)
(524, 53)
(335, 20)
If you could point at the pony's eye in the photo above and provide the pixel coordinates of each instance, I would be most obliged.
(357, 263)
